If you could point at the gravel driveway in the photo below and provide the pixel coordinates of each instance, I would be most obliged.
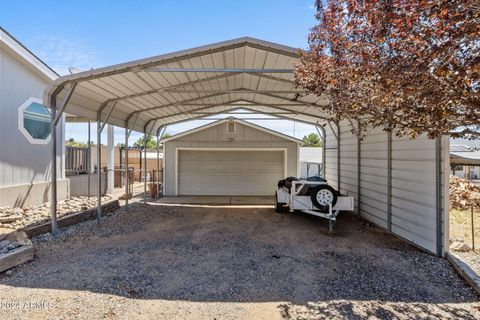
(193, 262)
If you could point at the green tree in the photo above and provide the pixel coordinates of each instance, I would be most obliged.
(312, 140)
(72, 143)
(151, 142)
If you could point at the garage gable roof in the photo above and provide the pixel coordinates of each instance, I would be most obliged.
(171, 88)
(243, 122)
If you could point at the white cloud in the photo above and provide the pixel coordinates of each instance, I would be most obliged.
(60, 53)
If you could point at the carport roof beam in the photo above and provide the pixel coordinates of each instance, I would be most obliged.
(102, 125)
(185, 103)
(236, 91)
(240, 112)
(59, 113)
(130, 128)
(218, 70)
(247, 108)
(239, 107)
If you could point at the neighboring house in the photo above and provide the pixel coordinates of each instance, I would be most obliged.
(228, 157)
(465, 161)
(25, 150)
(310, 161)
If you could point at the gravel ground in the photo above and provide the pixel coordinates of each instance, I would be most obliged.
(193, 262)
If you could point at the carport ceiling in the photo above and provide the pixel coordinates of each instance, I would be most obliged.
(190, 84)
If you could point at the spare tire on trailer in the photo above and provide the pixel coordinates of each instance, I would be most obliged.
(322, 196)
(279, 206)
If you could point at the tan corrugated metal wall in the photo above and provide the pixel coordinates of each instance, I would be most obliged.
(398, 182)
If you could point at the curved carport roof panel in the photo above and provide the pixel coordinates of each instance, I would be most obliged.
(183, 85)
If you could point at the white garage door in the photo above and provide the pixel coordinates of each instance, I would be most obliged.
(232, 173)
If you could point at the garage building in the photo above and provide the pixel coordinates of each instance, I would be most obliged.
(398, 184)
(228, 157)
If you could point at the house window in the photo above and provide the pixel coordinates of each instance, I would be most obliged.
(231, 127)
(34, 121)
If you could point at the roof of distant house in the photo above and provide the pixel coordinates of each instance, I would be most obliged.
(463, 154)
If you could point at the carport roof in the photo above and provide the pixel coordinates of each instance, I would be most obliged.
(171, 88)
(246, 123)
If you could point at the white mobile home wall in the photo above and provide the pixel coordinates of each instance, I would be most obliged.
(400, 185)
(24, 167)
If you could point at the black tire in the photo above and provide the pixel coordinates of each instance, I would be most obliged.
(279, 206)
(326, 195)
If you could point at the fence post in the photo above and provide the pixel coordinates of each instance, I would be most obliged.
(473, 228)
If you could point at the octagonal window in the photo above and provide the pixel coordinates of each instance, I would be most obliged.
(34, 121)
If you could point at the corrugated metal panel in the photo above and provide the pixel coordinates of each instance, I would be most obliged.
(153, 91)
(348, 162)
(413, 190)
(413, 183)
(331, 151)
(373, 177)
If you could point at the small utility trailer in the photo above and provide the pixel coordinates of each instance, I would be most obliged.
(315, 197)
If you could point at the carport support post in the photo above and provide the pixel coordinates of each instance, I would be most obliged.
(441, 195)
(89, 157)
(359, 164)
(127, 173)
(158, 163)
(145, 167)
(100, 127)
(321, 131)
(53, 205)
(55, 116)
(110, 159)
(99, 167)
(338, 154)
(159, 136)
(389, 180)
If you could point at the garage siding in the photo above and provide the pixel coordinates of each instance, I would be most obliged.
(217, 137)
(411, 210)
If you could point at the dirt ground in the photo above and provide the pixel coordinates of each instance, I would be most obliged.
(168, 261)
(461, 226)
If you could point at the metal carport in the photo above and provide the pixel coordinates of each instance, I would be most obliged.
(399, 185)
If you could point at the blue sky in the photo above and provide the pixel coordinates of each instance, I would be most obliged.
(91, 34)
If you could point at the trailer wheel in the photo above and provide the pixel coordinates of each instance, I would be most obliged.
(279, 206)
(322, 196)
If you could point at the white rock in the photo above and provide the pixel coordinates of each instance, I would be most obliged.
(460, 246)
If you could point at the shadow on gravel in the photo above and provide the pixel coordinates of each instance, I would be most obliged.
(385, 310)
(218, 254)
